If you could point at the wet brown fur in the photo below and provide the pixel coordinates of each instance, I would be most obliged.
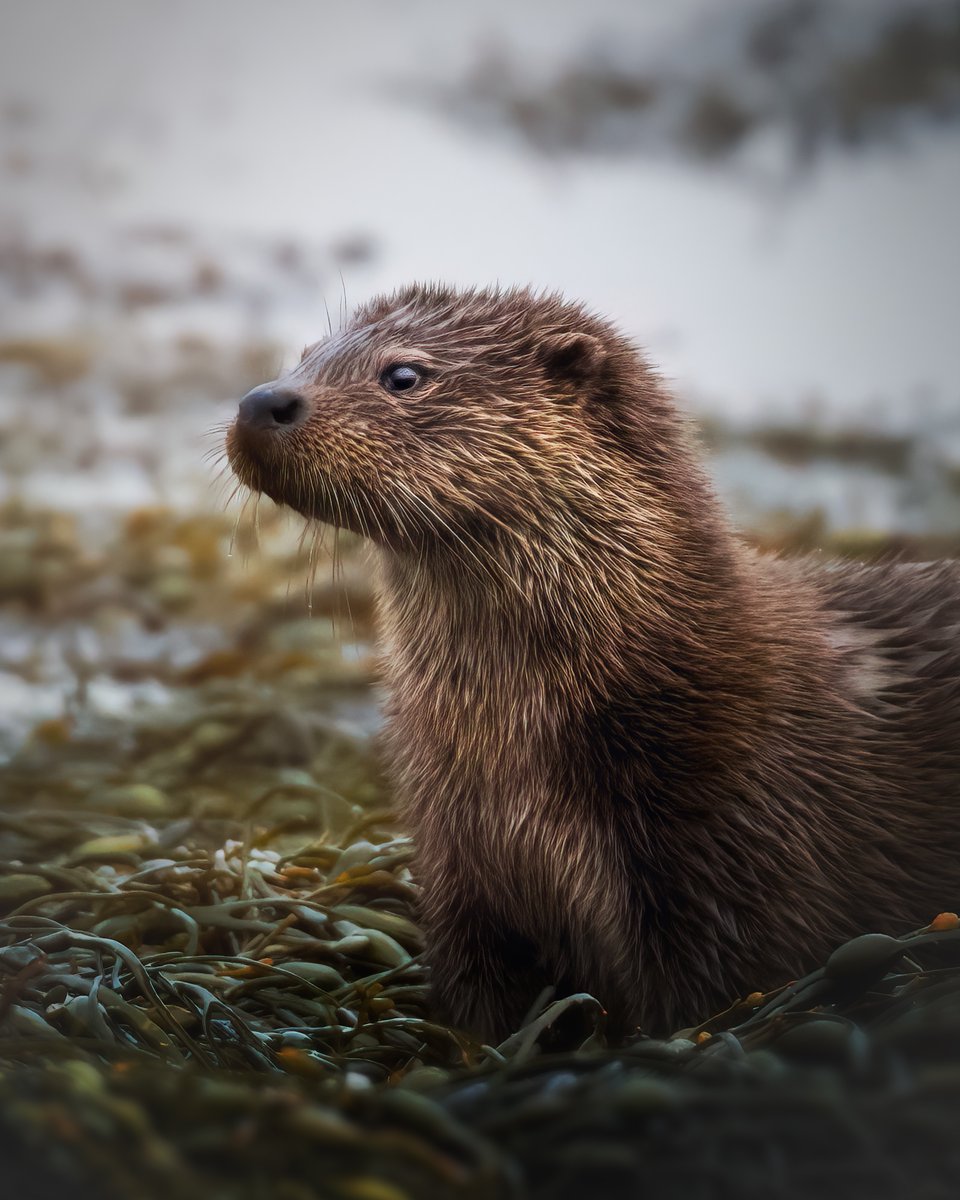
(638, 759)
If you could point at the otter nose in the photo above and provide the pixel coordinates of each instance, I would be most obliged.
(272, 406)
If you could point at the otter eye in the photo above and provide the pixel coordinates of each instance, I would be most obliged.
(401, 377)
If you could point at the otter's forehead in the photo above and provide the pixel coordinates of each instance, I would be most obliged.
(359, 344)
(471, 312)
(435, 315)
(446, 327)
(345, 346)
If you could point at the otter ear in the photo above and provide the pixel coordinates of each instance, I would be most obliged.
(572, 357)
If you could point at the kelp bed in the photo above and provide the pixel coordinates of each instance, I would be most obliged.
(218, 1006)
(211, 981)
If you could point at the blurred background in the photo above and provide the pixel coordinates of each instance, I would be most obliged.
(764, 194)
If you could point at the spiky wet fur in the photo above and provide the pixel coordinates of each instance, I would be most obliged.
(638, 759)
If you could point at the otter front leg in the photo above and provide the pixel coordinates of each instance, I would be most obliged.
(484, 975)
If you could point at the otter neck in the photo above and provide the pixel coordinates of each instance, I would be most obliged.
(646, 607)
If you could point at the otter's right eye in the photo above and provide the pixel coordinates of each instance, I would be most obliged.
(401, 377)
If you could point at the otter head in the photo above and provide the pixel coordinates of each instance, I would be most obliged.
(437, 416)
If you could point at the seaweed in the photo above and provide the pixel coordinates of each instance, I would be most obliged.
(240, 1007)
(212, 983)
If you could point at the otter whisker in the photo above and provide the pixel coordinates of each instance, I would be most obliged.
(240, 516)
(394, 511)
(317, 531)
(440, 521)
(307, 528)
(220, 484)
(344, 310)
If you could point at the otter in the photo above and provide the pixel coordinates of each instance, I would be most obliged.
(638, 758)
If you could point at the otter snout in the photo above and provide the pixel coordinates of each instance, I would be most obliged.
(272, 406)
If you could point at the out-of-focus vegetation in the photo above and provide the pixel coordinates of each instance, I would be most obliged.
(814, 73)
